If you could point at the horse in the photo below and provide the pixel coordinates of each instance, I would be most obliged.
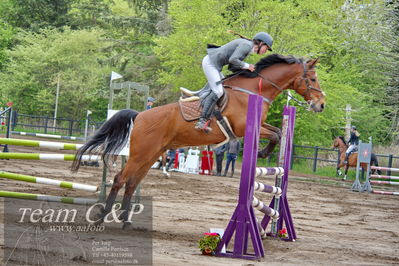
(154, 131)
(340, 143)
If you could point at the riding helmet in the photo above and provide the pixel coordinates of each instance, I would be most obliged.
(353, 127)
(265, 38)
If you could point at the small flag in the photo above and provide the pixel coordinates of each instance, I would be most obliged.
(115, 75)
(89, 112)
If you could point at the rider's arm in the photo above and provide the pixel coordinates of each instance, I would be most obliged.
(242, 51)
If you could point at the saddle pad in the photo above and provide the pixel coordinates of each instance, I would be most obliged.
(190, 110)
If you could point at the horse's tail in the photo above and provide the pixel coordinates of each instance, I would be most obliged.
(374, 162)
(109, 139)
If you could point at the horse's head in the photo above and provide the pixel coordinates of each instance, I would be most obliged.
(308, 86)
(336, 143)
(339, 141)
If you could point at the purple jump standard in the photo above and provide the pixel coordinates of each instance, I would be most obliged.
(243, 221)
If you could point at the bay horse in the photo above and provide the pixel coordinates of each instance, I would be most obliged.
(154, 131)
(340, 143)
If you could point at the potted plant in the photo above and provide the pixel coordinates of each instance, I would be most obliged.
(283, 233)
(208, 243)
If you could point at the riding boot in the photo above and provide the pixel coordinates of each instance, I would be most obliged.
(346, 158)
(207, 110)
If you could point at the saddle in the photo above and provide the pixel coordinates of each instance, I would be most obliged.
(354, 151)
(190, 104)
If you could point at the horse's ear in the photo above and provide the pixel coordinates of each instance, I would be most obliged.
(313, 62)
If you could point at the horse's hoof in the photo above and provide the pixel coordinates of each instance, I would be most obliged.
(344, 178)
(166, 174)
(99, 221)
(261, 155)
(100, 217)
(126, 225)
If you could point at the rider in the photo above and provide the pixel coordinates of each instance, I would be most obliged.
(353, 142)
(230, 54)
(150, 102)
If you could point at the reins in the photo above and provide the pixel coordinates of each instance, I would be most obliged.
(308, 87)
(230, 76)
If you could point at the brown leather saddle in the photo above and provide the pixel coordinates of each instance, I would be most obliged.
(190, 104)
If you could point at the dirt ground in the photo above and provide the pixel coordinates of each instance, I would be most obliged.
(334, 225)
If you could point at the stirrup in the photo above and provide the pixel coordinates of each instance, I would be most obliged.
(200, 125)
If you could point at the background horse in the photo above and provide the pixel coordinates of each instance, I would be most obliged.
(163, 127)
(341, 144)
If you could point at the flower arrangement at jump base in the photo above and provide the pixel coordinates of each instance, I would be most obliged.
(208, 243)
(283, 233)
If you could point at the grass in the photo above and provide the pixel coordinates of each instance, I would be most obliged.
(306, 167)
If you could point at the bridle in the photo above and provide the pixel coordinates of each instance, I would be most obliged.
(309, 87)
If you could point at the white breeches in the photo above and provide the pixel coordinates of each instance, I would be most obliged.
(213, 75)
(350, 148)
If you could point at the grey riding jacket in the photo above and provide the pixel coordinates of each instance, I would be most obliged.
(232, 53)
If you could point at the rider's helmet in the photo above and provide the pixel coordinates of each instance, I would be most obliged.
(353, 127)
(150, 99)
(265, 38)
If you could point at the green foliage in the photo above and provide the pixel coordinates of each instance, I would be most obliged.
(43, 59)
(35, 14)
(6, 35)
(209, 242)
(339, 32)
(161, 43)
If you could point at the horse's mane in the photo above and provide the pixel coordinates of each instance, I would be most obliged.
(343, 139)
(269, 61)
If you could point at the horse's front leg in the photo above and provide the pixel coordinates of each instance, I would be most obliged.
(346, 171)
(273, 134)
(339, 173)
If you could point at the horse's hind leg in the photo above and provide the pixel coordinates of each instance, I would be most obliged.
(346, 171)
(134, 172)
(131, 186)
(116, 186)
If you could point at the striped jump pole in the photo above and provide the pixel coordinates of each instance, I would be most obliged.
(259, 205)
(385, 192)
(41, 144)
(385, 168)
(46, 156)
(379, 182)
(49, 136)
(29, 196)
(389, 180)
(267, 188)
(268, 171)
(48, 181)
(385, 177)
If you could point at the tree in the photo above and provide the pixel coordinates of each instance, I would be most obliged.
(6, 35)
(336, 31)
(35, 14)
(31, 76)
